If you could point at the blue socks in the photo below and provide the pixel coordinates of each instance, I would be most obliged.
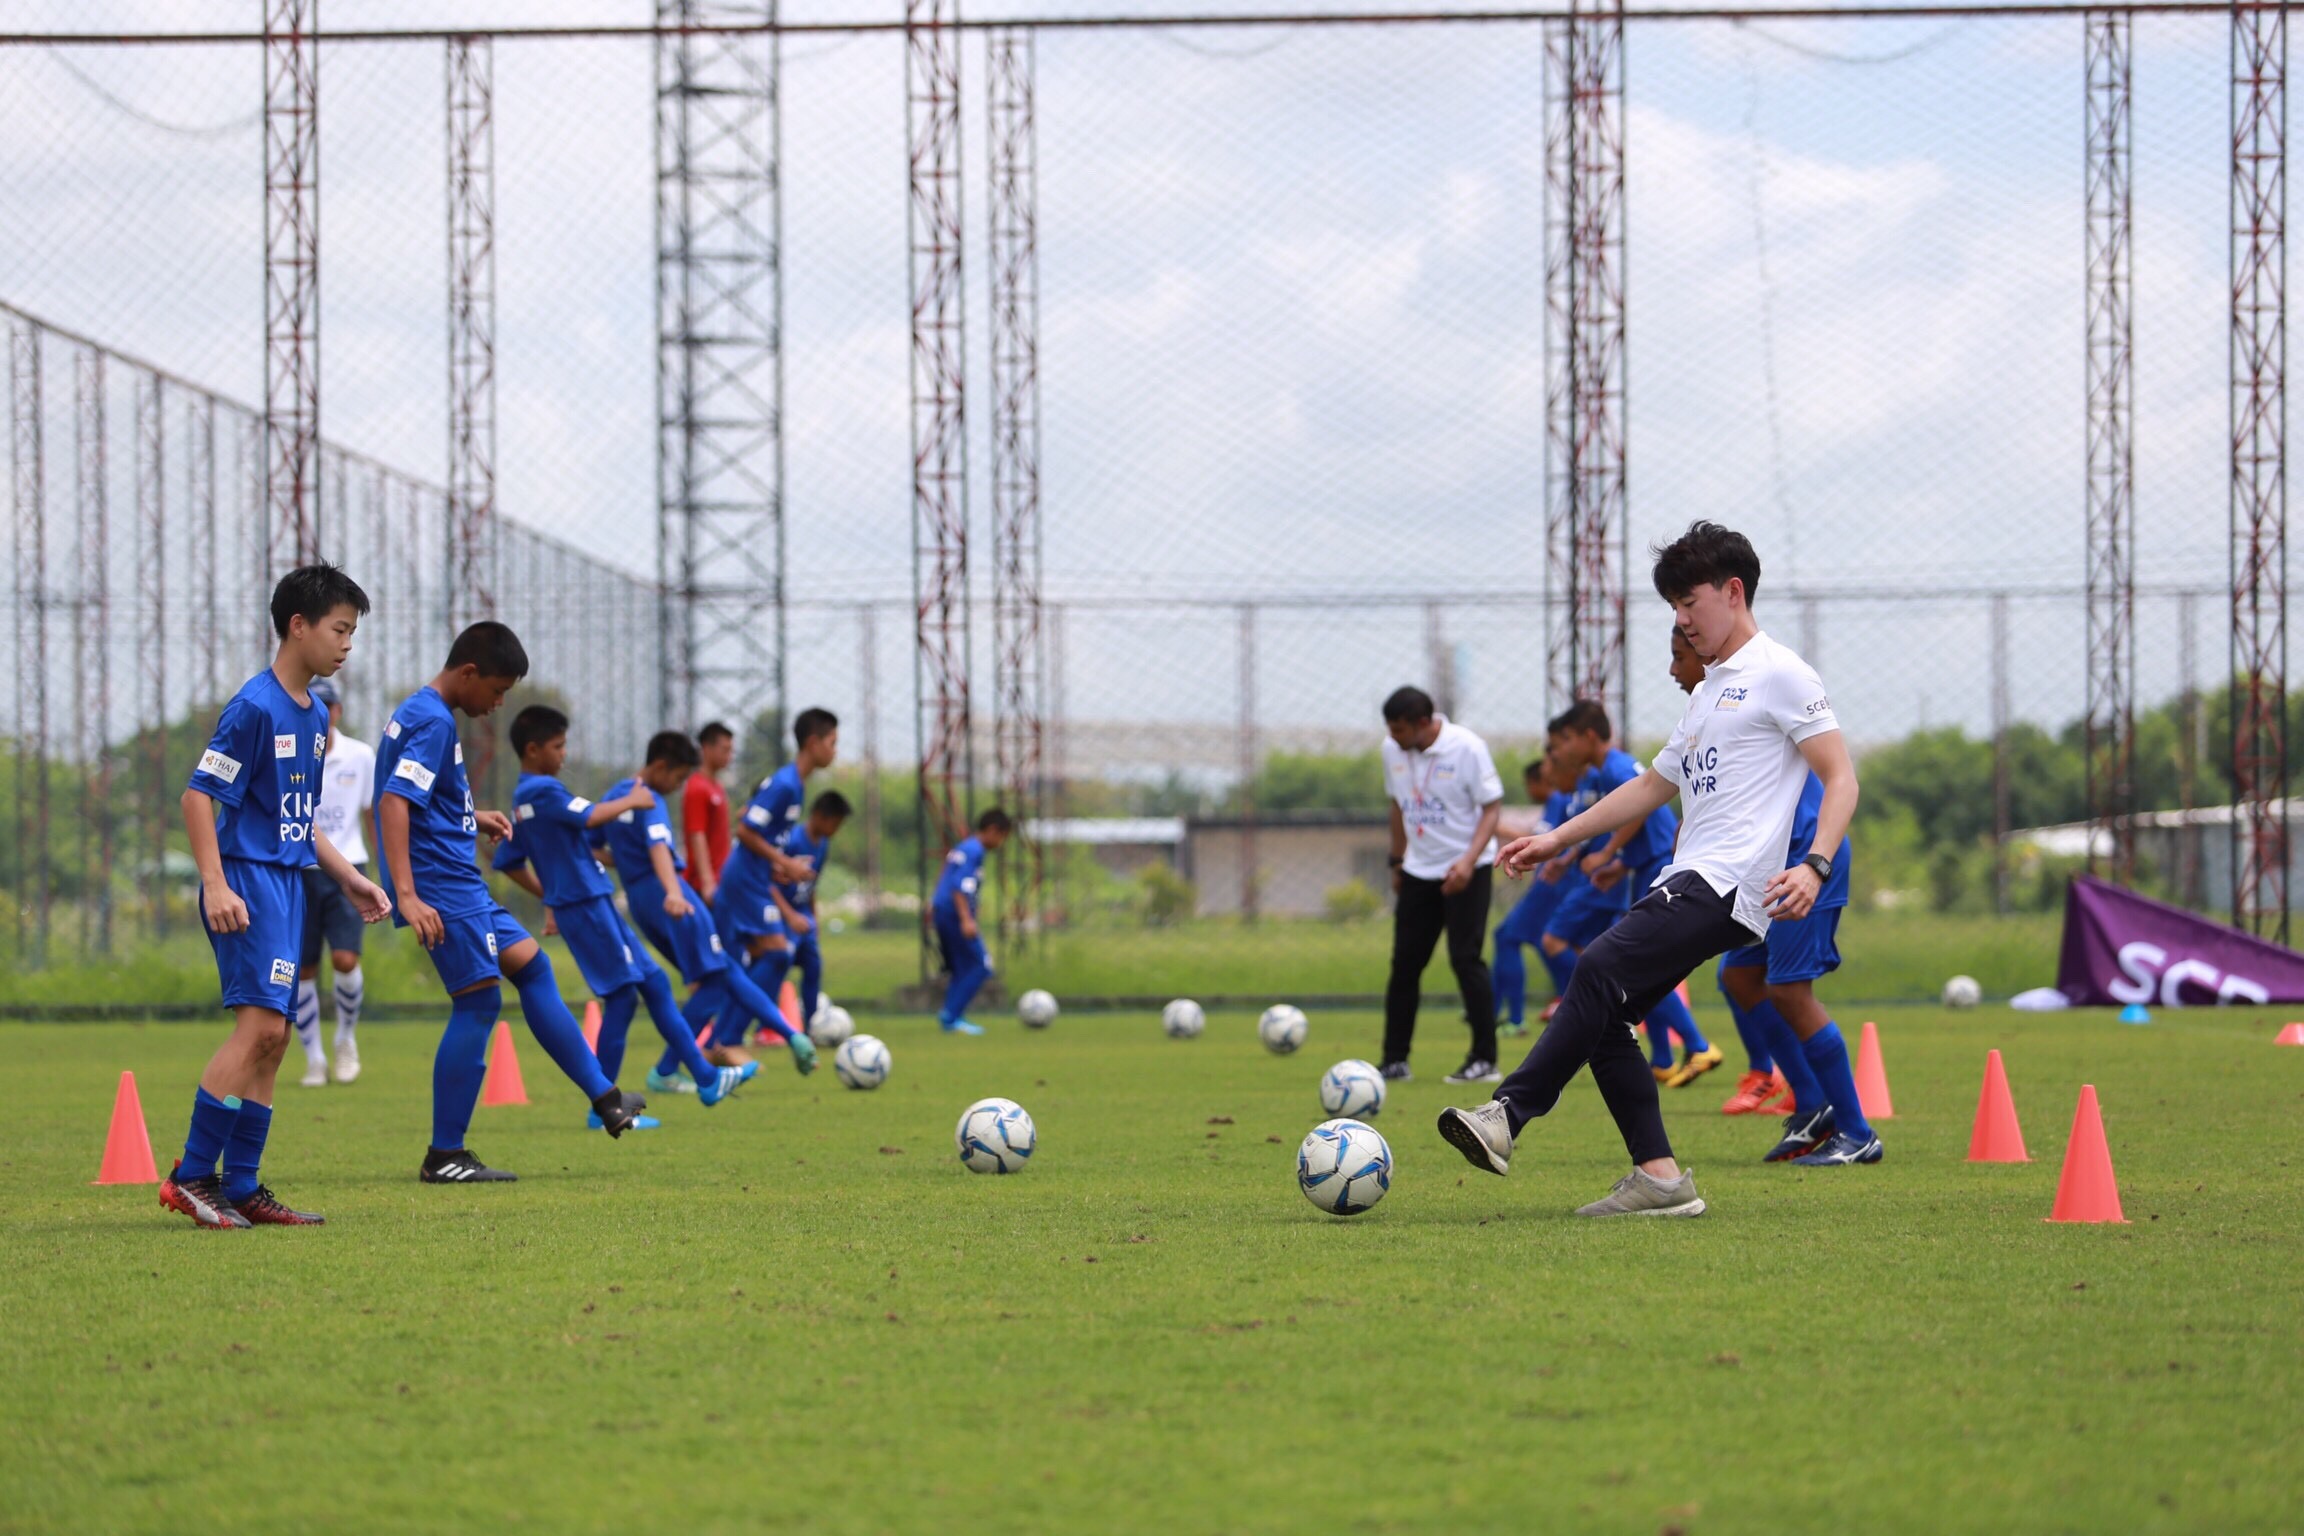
(461, 1063)
(244, 1152)
(555, 1028)
(1758, 1056)
(1510, 973)
(1790, 1056)
(1828, 1055)
(212, 1122)
(1673, 1015)
(616, 1011)
(1561, 966)
(664, 1009)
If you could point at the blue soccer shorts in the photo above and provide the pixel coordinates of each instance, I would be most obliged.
(257, 965)
(330, 920)
(475, 942)
(691, 943)
(1588, 912)
(1524, 924)
(606, 951)
(1799, 950)
(740, 925)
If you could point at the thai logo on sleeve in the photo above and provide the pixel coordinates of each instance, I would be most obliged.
(657, 831)
(579, 804)
(217, 766)
(757, 815)
(284, 746)
(415, 773)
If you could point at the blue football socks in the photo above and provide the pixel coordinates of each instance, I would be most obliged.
(664, 1010)
(555, 1028)
(1510, 973)
(461, 1064)
(212, 1122)
(1672, 1015)
(244, 1152)
(1561, 967)
(616, 1011)
(1790, 1056)
(1757, 1056)
(1827, 1054)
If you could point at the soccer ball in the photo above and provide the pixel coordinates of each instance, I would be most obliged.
(823, 1006)
(1962, 992)
(1353, 1089)
(1344, 1167)
(832, 1027)
(1282, 1028)
(1183, 1019)
(1037, 1009)
(995, 1136)
(862, 1061)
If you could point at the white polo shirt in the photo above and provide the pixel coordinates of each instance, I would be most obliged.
(1441, 792)
(1736, 757)
(347, 787)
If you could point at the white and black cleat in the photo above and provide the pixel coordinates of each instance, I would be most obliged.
(460, 1167)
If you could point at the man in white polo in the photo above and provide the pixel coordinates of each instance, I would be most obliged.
(1445, 801)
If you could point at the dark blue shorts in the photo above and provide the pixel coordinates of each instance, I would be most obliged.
(960, 951)
(257, 965)
(740, 926)
(1524, 924)
(691, 943)
(329, 919)
(607, 952)
(1588, 912)
(469, 954)
(1794, 951)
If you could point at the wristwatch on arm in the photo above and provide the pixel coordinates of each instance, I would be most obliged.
(1819, 863)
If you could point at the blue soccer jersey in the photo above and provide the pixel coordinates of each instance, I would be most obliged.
(963, 875)
(262, 768)
(1804, 819)
(549, 835)
(1617, 769)
(421, 761)
(798, 844)
(629, 837)
(772, 812)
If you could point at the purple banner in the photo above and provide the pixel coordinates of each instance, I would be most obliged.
(2122, 948)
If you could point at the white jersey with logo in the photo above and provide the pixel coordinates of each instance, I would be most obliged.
(1441, 792)
(347, 787)
(1736, 757)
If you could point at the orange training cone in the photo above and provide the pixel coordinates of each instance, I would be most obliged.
(1872, 1077)
(127, 1146)
(1997, 1138)
(2292, 1035)
(789, 1001)
(2086, 1191)
(592, 1025)
(503, 1085)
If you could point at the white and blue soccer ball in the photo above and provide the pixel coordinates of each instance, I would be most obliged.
(1962, 992)
(995, 1136)
(1353, 1089)
(831, 1027)
(862, 1061)
(1344, 1167)
(1183, 1019)
(1037, 1008)
(1282, 1028)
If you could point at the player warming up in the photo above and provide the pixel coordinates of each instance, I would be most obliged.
(429, 829)
(347, 796)
(1754, 729)
(810, 843)
(248, 813)
(954, 909)
(549, 855)
(750, 922)
(1549, 785)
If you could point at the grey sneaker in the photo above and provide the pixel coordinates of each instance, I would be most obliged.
(1475, 1070)
(1637, 1194)
(1483, 1135)
(1395, 1072)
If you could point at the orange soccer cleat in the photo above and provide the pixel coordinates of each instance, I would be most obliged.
(1753, 1091)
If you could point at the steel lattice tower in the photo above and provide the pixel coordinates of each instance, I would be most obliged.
(1018, 657)
(152, 629)
(720, 363)
(291, 281)
(28, 491)
(939, 434)
(2259, 515)
(471, 542)
(92, 631)
(2110, 729)
(1586, 513)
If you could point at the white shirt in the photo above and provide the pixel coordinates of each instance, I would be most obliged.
(1736, 757)
(347, 787)
(1441, 792)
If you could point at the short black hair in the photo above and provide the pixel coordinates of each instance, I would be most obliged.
(713, 731)
(1534, 770)
(1583, 715)
(1707, 555)
(832, 803)
(492, 649)
(1407, 704)
(675, 748)
(535, 725)
(312, 592)
(995, 820)
(813, 723)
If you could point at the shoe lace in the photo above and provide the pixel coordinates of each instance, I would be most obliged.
(263, 1200)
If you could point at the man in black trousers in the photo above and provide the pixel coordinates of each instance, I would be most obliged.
(1445, 801)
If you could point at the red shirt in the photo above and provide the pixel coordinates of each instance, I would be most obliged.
(704, 808)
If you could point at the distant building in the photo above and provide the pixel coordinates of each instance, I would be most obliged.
(2189, 853)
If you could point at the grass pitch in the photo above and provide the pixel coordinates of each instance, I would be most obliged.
(797, 1312)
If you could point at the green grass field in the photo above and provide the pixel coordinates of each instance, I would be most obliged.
(797, 1312)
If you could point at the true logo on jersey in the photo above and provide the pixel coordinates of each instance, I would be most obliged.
(524, 813)
(1732, 698)
(283, 973)
(284, 746)
(217, 766)
(392, 729)
(459, 754)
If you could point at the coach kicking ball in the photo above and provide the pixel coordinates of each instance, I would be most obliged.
(1754, 729)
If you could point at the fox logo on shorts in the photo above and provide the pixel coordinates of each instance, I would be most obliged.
(491, 946)
(283, 973)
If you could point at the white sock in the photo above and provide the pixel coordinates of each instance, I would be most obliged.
(308, 1018)
(351, 987)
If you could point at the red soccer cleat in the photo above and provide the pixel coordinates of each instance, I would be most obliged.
(263, 1209)
(1753, 1090)
(201, 1199)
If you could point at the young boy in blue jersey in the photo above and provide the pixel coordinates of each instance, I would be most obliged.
(810, 843)
(640, 845)
(430, 830)
(1549, 785)
(954, 909)
(549, 855)
(1619, 869)
(248, 813)
(745, 909)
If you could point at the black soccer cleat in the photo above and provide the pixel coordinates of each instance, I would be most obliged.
(616, 1110)
(1803, 1134)
(263, 1209)
(202, 1199)
(460, 1167)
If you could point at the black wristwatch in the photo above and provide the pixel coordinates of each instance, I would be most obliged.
(1396, 861)
(1820, 864)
